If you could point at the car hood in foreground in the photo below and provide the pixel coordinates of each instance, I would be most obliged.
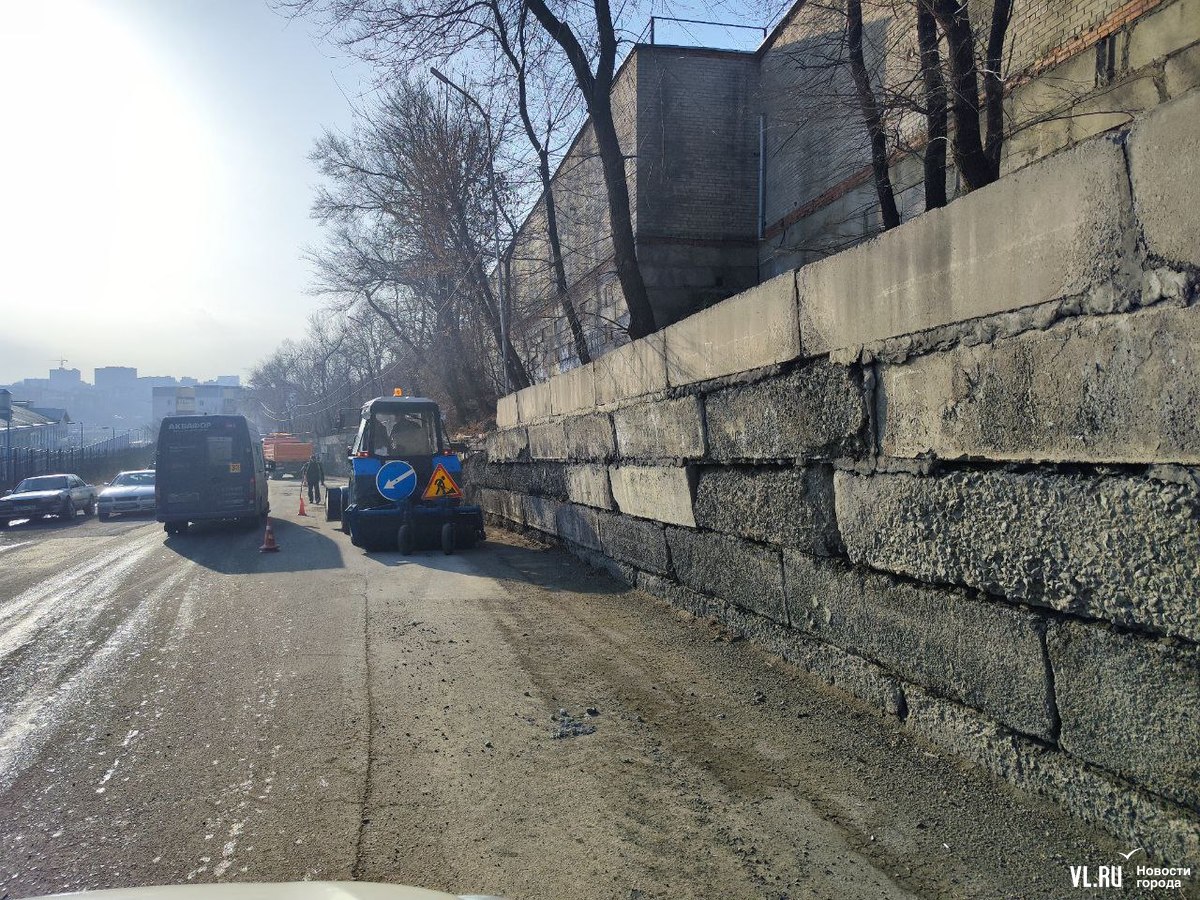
(294, 890)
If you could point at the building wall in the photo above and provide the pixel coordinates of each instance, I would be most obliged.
(951, 471)
(1075, 69)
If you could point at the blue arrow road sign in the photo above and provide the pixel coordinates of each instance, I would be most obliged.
(396, 480)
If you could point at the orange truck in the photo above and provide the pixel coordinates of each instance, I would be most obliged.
(285, 453)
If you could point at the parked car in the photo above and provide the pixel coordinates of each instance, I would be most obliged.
(48, 495)
(129, 492)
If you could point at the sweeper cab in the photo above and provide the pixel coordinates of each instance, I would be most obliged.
(405, 487)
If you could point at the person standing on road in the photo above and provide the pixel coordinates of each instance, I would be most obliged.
(313, 474)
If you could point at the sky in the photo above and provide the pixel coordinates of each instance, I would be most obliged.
(156, 182)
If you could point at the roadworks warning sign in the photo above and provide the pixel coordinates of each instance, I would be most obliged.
(442, 486)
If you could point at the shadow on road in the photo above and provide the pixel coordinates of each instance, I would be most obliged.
(509, 558)
(231, 550)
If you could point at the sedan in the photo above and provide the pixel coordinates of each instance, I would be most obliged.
(47, 495)
(129, 492)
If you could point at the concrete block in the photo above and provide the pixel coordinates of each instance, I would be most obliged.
(1162, 32)
(777, 505)
(589, 485)
(700, 605)
(547, 441)
(632, 370)
(983, 653)
(539, 479)
(1051, 230)
(573, 392)
(1122, 389)
(590, 438)
(533, 403)
(635, 542)
(1122, 549)
(654, 492)
(505, 504)
(754, 329)
(1182, 71)
(817, 412)
(1115, 107)
(665, 429)
(1165, 169)
(578, 525)
(745, 574)
(506, 411)
(478, 473)
(837, 668)
(1167, 833)
(507, 445)
(541, 513)
(1129, 704)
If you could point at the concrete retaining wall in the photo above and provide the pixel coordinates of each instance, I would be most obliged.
(951, 472)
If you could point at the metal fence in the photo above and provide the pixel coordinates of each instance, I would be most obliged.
(25, 462)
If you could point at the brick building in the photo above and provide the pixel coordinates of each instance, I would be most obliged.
(713, 215)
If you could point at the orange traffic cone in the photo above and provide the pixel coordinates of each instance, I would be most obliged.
(268, 544)
(302, 512)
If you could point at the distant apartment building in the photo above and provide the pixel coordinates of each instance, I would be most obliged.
(197, 400)
(743, 165)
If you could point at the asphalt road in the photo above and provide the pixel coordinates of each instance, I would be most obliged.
(188, 709)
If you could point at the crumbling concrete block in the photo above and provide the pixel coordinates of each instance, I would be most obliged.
(1165, 169)
(982, 653)
(589, 485)
(654, 492)
(540, 479)
(578, 525)
(1129, 704)
(590, 438)
(777, 505)
(1121, 388)
(635, 542)
(745, 574)
(816, 412)
(542, 513)
(1168, 833)
(508, 445)
(1049, 231)
(1122, 549)
(547, 441)
(504, 504)
(665, 429)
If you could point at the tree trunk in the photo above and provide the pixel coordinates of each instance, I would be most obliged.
(993, 83)
(556, 261)
(969, 155)
(871, 115)
(595, 86)
(935, 106)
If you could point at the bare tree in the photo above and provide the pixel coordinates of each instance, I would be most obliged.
(872, 117)
(594, 79)
(977, 156)
(517, 53)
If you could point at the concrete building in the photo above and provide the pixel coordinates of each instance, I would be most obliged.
(713, 215)
(197, 400)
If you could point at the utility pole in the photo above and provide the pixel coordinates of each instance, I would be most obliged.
(500, 292)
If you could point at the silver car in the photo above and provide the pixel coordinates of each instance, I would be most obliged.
(129, 492)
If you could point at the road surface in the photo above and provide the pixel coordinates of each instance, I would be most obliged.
(188, 709)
